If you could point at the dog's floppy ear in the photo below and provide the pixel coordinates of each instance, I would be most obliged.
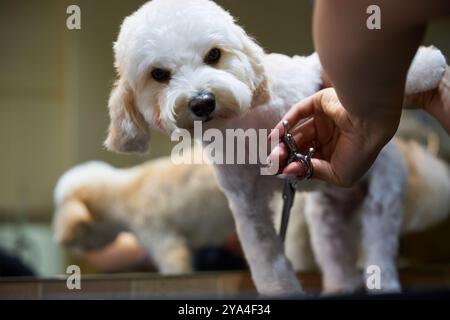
(255, 55)
(128, 131)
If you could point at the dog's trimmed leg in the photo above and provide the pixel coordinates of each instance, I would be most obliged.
(297, 245)
(248, 195)
(271, 271)
(334, 234)
(382, 212)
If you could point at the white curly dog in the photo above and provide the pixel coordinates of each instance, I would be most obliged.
(185, 60)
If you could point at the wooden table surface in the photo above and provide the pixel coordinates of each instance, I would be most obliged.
(207, 284)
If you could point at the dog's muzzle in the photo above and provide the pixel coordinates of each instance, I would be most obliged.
(203, 104)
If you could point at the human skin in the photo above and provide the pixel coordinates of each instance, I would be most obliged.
(367, 69)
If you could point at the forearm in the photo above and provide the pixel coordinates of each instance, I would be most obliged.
(368, 68)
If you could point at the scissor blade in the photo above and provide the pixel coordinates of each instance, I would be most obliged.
(288, 201)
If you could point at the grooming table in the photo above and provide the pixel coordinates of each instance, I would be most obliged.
(211, 285)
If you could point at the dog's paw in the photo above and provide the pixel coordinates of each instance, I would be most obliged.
(279, 281)
(390, 286)
(280, 292)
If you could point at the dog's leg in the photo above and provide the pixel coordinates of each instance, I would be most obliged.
(168, 250)
(297, 245)
(334, 237)
(248, 195)
(271, 271)
(382, 212)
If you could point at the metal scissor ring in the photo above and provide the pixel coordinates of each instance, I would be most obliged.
(296, 156)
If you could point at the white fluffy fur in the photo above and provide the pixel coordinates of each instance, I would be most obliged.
(84, 174)
(254, 90)
(426, 71)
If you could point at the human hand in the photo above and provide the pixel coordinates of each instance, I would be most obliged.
(346, 145)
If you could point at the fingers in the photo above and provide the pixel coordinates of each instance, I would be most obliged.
(310, 121)
(321, 100)
(302, 130)
(302, 135)
(295, 168)
(303, 109)
(280, 152)
(322, 170)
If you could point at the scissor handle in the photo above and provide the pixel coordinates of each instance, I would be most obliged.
(294, 155)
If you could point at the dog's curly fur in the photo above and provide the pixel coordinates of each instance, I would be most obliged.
(253, 90)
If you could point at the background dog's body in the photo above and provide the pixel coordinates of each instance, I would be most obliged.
(162, 203)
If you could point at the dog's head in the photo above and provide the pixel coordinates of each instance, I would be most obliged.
(179, 61)
(81, 222)
(78, 229)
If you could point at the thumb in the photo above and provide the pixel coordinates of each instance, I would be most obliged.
(331, 106)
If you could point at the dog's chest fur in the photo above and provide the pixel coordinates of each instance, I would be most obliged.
(291, 79)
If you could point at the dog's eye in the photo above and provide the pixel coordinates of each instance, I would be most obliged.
(161, 75)
(213, 56)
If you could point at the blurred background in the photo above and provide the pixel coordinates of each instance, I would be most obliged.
(54, 87)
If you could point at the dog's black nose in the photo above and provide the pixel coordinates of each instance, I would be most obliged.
(203, 104)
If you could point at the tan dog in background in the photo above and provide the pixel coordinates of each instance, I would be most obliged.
(171, 208)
